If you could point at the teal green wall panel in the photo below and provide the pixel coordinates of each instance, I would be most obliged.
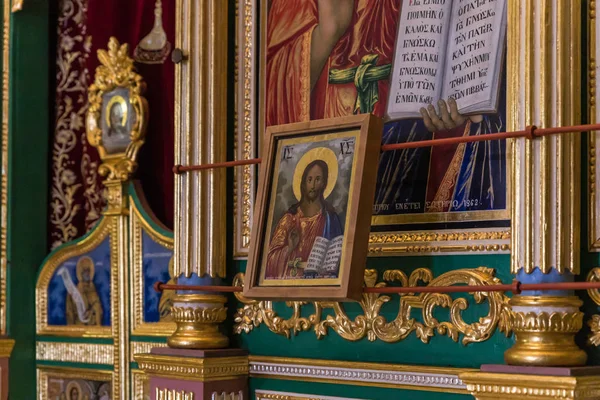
(29, 126)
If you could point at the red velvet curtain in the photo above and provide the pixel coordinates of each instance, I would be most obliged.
(84, 26)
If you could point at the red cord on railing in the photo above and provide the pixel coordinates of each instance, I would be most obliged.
(531, 132)
(515, 287)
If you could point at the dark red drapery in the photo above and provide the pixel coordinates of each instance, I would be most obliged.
(84, 26)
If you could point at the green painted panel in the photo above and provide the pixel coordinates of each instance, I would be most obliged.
(355, 392)
(441, 351)
(29, 125)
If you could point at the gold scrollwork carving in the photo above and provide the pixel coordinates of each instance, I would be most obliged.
(594, 323)
(374, 326)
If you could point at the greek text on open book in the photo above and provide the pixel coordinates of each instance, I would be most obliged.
(448, 49)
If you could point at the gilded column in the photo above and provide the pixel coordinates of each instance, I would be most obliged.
(544, 75)
(200, 138)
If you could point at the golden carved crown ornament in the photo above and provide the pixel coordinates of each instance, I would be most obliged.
(117, 71)
(371, 324)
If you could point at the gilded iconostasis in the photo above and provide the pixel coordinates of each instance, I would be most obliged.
(138, 86)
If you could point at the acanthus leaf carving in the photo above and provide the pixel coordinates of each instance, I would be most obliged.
(373, 325)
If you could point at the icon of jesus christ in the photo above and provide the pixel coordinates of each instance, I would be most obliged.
(311, 217)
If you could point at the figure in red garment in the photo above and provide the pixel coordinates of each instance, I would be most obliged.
(312, 216)
(317, 54)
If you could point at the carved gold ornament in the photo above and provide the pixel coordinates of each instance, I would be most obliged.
(545, 329)
(428, 242)
(197, 317)
(374, 326)
(486, 385)
(207, 369)
(117, 71)
(594, 323)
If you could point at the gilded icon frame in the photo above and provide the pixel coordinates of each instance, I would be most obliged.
(45, 373)
(251, 18)
(346, 283)
(106, 228)
(593, 153)
(117, 74)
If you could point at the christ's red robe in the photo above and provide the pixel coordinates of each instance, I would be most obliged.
(373, 30)
(279, 254)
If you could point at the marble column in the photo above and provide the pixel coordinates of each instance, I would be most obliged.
(544, 78)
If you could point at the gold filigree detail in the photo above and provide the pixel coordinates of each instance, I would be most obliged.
(89, 353)
(72, 80)
(227, 396)
(545, 322)
(439, 242)
(393, 376)
(4, 165)
(193, 369)
(138, 225)
(594, 229)
(484, 385)
(173, 394)
(197, 317)
(284, 396)
(199, 314)
(116, 198)
(140, 385)
(245, 127)
(143, 347)
(117, 71)
(594, 324)
(594, 276)
(545, 328)
(6, 347)
(374, 326)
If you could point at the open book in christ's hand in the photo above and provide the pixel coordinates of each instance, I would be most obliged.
(324, 258)
(448, 49)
